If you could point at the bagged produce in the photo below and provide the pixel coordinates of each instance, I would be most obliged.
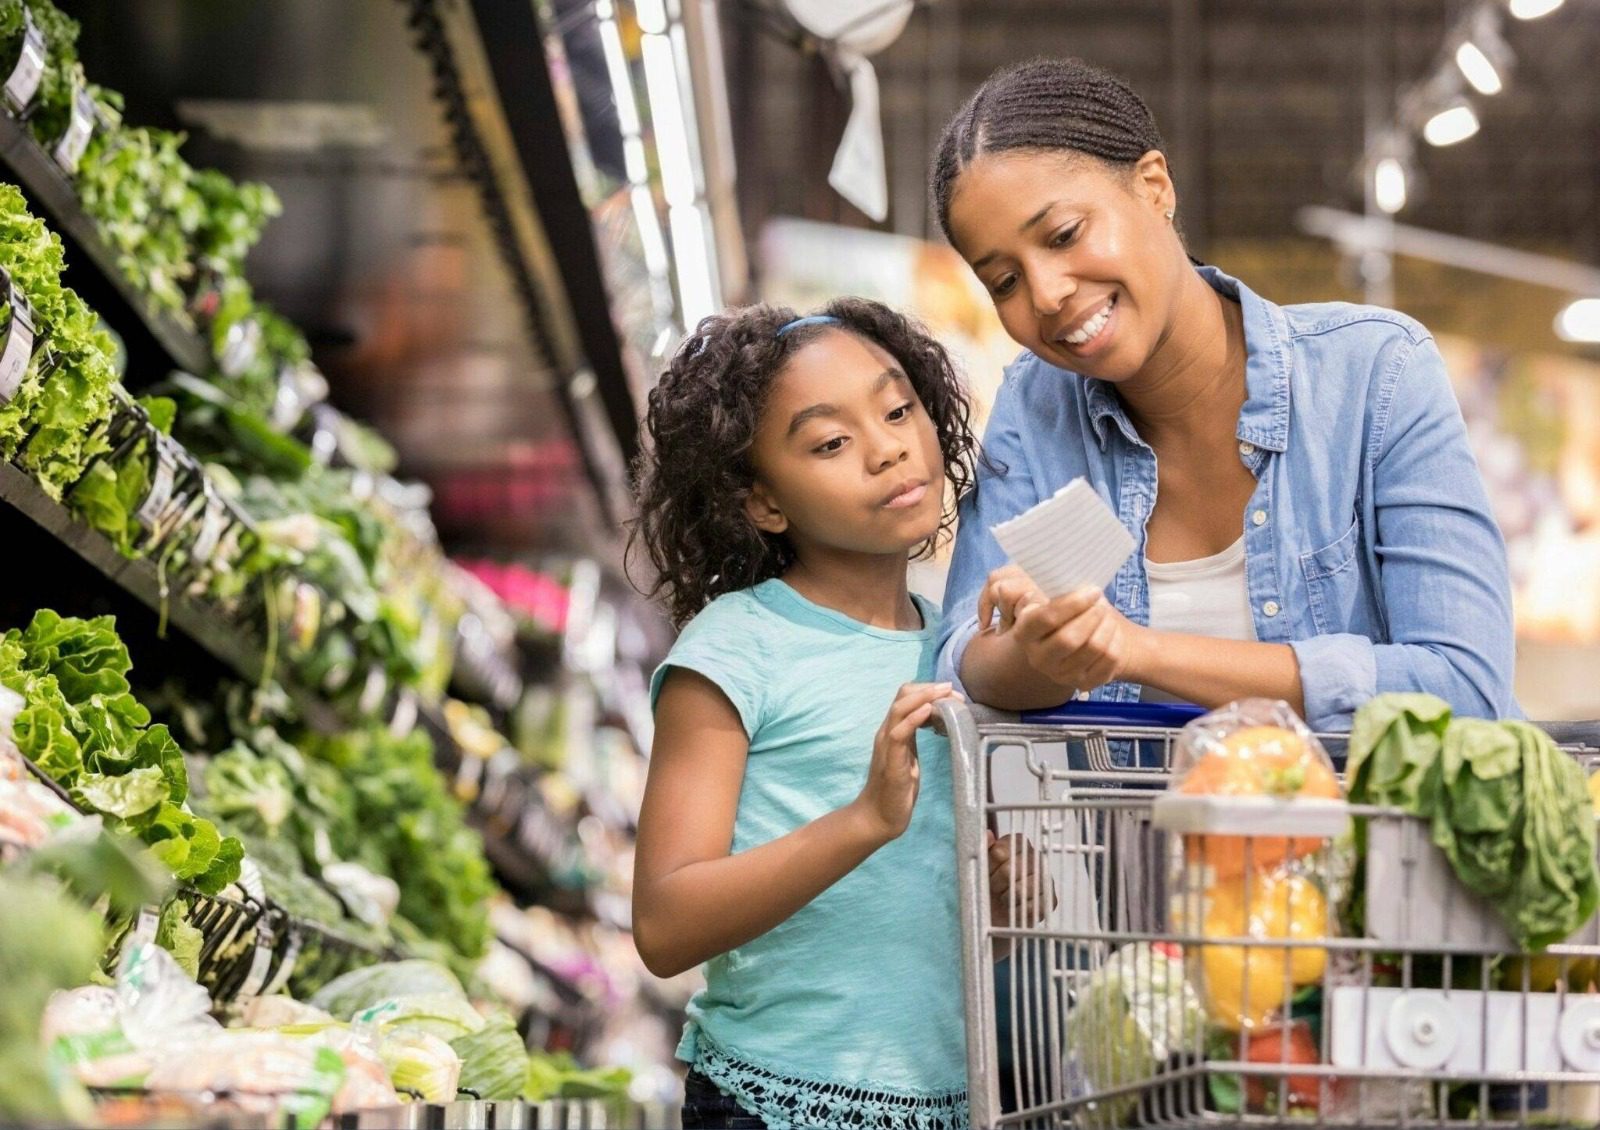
(494, 1060)
(421, 1062)
(1245, 986)
(1252, 748)
(1136, 1012)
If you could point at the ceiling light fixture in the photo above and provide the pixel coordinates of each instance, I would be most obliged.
(1455, 123)
(1580, 321)
(1533, 9)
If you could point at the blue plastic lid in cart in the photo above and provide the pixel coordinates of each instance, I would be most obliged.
(1156, 715)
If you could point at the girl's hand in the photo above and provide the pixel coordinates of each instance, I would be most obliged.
(1079, 641)
(895, 774)
(1007, 591)
(1015, 866)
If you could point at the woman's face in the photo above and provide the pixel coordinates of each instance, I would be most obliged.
(1078, 256)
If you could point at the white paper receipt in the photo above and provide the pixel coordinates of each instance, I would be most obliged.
(1069, 540)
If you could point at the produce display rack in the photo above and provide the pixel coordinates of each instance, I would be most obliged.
(226, 642)
(155, 342)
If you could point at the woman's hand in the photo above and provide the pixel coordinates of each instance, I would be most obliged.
(895, 774)
(1079, 640)
(1007, 591)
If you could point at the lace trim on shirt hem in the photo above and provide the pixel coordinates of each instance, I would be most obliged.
(784, 1101)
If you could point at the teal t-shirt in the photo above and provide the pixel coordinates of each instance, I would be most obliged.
(850, 1012)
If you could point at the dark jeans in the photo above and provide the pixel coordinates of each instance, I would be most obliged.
(707, 1108)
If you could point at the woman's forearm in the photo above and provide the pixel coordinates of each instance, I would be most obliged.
(995, 671)
(703, 909)
(1213, 672)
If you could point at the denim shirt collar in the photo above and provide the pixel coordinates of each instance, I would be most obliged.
(1264, 420)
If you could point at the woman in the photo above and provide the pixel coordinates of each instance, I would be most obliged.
(1311, 524)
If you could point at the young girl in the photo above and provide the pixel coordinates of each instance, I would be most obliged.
(797, 832)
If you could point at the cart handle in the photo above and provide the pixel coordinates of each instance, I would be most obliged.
(1163, 715)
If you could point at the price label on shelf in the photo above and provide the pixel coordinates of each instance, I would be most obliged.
(260, 960)
(18, 348)
(24, 81)
(80, 127)
(213, 521)
(162, 477)
(240, 348)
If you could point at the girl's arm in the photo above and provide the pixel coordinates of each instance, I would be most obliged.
(692, 900)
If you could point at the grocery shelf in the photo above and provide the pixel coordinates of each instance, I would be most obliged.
(155, 342)
(229, 644)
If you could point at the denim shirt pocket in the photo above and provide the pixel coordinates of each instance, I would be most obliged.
(1333, 580)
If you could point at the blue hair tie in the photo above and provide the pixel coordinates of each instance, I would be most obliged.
(811, 320)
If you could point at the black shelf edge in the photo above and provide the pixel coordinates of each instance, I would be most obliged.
(155, 342)
(230, 644)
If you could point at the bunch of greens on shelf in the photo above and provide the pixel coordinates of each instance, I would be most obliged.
(109, 494)
(83, 726)
(139, 190)
(51, 425)
(62, 72)
(411, 829)
(233, 216)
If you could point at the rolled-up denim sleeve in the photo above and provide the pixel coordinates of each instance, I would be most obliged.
(1005, 487)
(1441, 562)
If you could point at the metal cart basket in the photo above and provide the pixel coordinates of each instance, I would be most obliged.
(1094, 998)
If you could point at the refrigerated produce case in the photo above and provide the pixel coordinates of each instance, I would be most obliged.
(241, 677)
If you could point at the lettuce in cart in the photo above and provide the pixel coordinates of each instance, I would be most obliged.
(1134, 1014)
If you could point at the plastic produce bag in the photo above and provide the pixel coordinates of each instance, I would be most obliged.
(420, 1062)
(1136, 1013)
(115, 1037)
(264, 1071)
(1254, 748)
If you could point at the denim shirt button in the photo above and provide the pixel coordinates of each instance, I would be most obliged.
(1259, 518)
(1270, 608)
(1246, 448)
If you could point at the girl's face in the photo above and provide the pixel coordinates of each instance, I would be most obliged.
(845, 455)
(1078, 257)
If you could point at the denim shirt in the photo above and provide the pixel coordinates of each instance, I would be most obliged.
(1369, 545)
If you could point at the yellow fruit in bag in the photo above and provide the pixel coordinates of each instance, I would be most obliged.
(1245, 986)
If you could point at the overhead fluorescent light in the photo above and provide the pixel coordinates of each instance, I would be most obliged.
(1478, 69)
(1389, 184)
(1455, 123)
(1580, 321)
(1533, 9)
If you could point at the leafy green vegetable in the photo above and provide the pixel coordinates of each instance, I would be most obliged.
(132, 794)
(57, 411)
(1507, 807)
(250, 793)
(175, 935)
(363, 988)
(83, 726)
(494, 1060)
(556, 1075)
(413, 830)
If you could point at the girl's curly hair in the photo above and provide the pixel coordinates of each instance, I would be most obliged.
(695, 473)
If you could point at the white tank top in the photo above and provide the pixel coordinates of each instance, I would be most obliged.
(1206, 597)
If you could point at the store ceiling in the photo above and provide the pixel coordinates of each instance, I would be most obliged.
(382, 255)
(1262, 105)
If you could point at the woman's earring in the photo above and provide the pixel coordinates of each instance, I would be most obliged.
(1170, 214)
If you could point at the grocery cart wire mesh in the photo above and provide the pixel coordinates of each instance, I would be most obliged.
(1121, 986)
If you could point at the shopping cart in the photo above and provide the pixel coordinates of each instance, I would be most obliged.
(1104, 1010)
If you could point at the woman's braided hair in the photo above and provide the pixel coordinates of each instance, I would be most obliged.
(1044, 104)
(695, 474)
